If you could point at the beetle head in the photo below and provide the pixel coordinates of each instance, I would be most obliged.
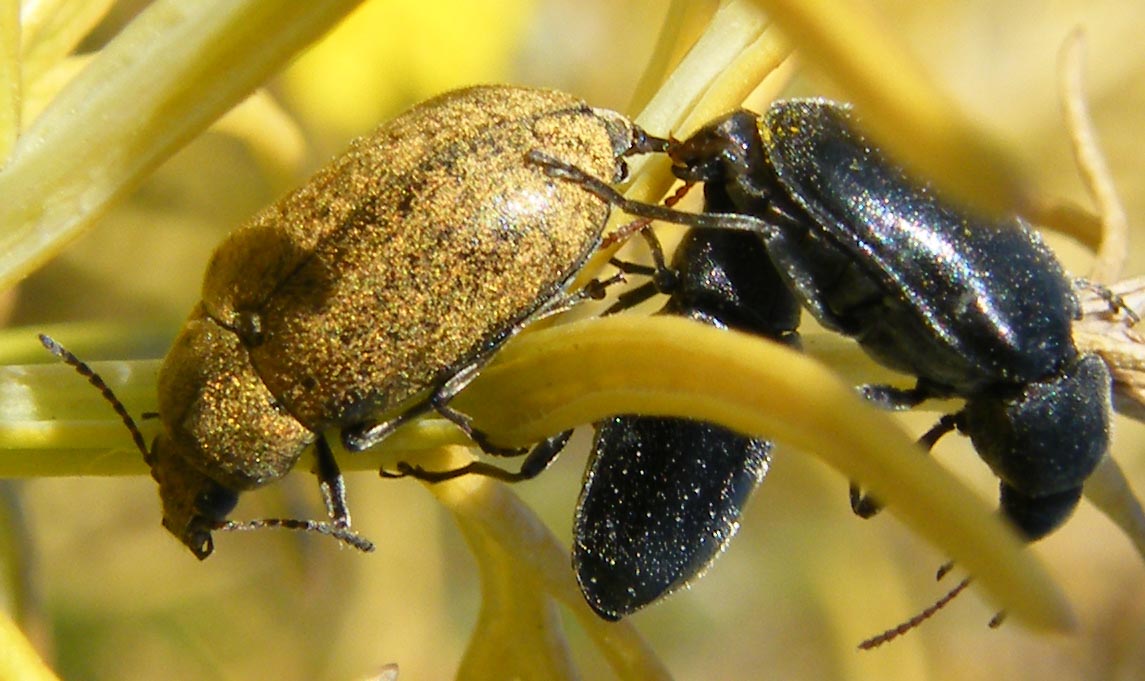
(1045, 441)
(727, 147)
(729, 157)
(193, 504)
(222, 432)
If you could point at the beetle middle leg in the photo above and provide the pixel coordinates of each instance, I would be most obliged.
(333, 488)
(363, 436)
(866, 506)
(891, 398)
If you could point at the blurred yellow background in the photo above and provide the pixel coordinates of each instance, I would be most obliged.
(804, 581)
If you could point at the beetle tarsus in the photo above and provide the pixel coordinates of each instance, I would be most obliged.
(891, 398)
(342, 534)
(539, 459)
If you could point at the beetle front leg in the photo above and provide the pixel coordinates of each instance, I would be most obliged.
(331, 483)
(866, 506)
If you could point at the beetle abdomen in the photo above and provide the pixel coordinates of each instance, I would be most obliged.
(422, 245)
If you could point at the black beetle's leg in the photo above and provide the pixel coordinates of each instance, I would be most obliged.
(331, 483)
(863, 505)
(665, 280)
(594, 185)
(632, 298)
(539, 458)
(866, 506)
(1114, 300)
(632, 267)
(892, 398)
(931, 437)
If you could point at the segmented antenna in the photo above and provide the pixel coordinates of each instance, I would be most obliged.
(891, 634)
(342, 534)
(335, 501)
(87, 372)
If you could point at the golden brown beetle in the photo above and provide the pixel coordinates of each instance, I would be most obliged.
(374, 293)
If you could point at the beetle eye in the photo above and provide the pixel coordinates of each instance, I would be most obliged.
(215, 503)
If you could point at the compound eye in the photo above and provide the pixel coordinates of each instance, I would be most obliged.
(214, 504)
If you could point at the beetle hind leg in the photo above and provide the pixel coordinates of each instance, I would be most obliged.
(539, 458)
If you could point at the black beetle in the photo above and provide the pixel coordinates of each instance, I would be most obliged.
(974, 308)
(662, 496)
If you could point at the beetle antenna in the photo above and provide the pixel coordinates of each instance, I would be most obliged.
(891, 634)
(342, 534)
(87, 372)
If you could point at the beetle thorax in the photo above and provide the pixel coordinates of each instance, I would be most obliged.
(218, 414)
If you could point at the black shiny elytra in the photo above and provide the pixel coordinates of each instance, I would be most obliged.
(662, 496)
(973, 308)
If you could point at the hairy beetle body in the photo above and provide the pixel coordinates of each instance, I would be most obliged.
(373, 292)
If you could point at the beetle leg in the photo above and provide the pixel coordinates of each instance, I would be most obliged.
(365, 435)
(594, 185)
(331, 483)
(892, 398)
(866, 506)
(362, 436)
(333, 488)
(632, 298)
(342, 534)
(540, 458)
(1114, 300)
